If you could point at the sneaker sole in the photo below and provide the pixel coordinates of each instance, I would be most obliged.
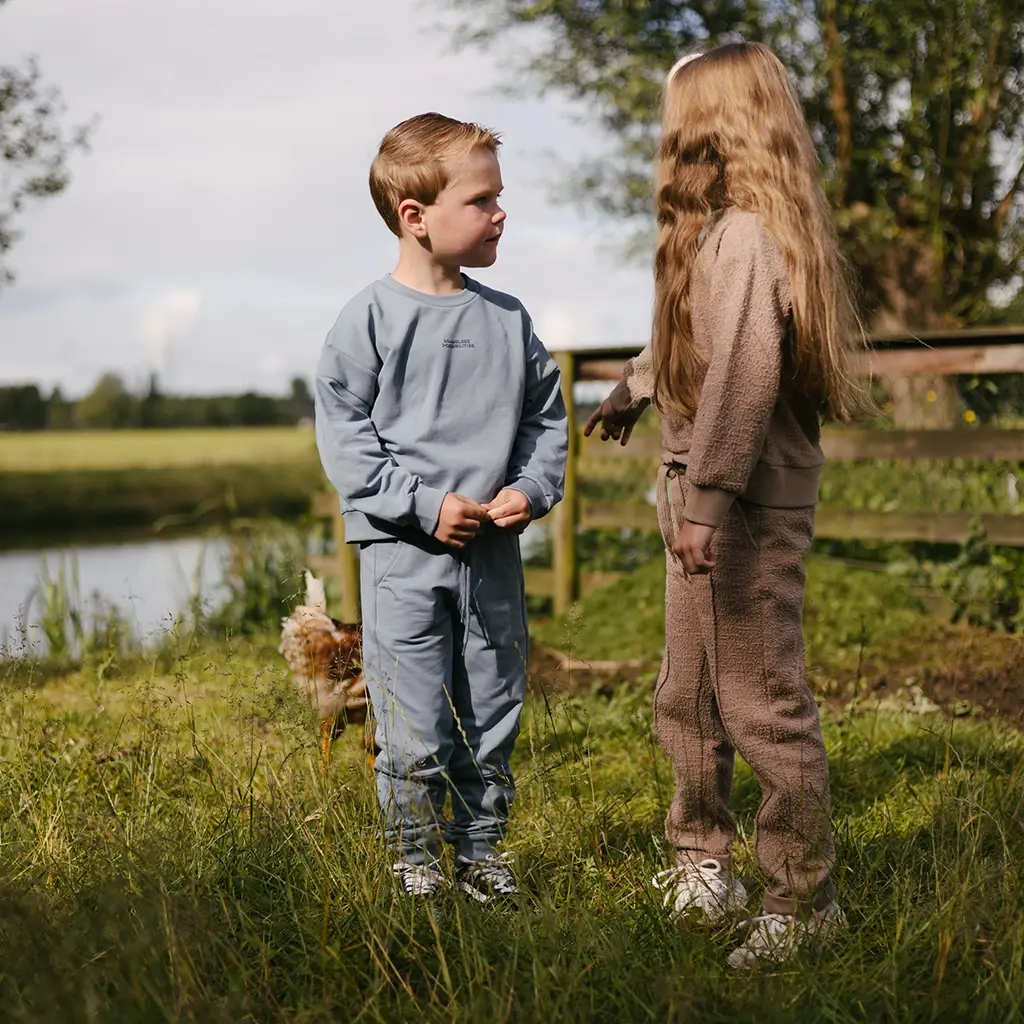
(468, 890)
(483, 897)
(433, 894)
(715, 914)
(742, 959)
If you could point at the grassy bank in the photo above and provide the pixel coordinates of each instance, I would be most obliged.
(59, 485)
(72, 502)
(170, 851)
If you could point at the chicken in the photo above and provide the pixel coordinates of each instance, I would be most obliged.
(325, 659)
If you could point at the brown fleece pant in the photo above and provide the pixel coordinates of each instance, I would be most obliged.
(733, 681)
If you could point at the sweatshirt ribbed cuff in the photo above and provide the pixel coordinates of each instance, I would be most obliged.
(426, 506)
(534, 495)
(707, 505)
(622, 399)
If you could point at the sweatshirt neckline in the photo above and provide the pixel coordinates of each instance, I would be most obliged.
(468, 294)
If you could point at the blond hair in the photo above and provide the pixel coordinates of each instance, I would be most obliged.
(734, 135)
(413, 160)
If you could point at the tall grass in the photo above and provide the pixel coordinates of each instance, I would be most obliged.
(72, 628)
(170, 851)
(261, 580)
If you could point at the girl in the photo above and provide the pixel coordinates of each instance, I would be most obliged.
(751, 317)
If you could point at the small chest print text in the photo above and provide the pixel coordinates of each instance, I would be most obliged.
(458, 343)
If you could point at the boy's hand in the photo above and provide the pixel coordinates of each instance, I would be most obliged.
(509, 508)
(615, 423)
(459, 520)
(691, 546)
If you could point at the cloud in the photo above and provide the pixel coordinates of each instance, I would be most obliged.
(222, 218)
(166, 319)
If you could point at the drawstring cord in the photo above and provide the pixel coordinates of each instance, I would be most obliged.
(669, 477)
(465, 559)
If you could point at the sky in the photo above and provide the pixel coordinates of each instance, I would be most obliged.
(222, 219)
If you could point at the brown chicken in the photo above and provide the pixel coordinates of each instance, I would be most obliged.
(325, 659)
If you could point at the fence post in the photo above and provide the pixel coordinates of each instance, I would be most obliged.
(567, 511)
(348, 570)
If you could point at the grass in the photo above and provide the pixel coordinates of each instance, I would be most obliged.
(847, 610)
(50, 451)
(169, 851)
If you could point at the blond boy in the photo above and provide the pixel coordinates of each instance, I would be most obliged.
(441, 424)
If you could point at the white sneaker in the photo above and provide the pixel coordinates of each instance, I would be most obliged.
(419, 880)
(777, 937)
(706, 887)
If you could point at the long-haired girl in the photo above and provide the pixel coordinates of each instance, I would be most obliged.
(752, 319)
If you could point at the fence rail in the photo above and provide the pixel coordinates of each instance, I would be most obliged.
(844, 444)
(978, 351)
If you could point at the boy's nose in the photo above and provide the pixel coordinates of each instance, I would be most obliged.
(499, 216)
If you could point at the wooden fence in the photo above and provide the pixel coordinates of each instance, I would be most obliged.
(985, 351)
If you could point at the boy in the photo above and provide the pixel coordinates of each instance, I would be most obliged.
(440, 421)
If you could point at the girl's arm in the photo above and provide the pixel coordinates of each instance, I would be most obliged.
(619, 412)
(746, 311)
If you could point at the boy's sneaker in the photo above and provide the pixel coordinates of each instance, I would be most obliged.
(487, 879)
(706, 887)
(420, 880)
(776, 937)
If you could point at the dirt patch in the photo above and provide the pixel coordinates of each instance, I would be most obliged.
(958, 669)
(961, 669)
(552, 671)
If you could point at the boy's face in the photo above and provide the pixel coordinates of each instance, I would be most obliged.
(464, 223)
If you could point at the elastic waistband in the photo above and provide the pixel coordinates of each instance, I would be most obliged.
(772, 486)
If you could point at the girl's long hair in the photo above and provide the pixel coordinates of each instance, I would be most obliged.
(734, 135)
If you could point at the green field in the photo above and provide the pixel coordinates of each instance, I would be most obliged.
(47, 451)
(171, 852)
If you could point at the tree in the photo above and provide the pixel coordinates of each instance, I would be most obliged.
(300, 402)
(22, 407)
(59, 412)
(917, 107)
(109, 405)
(34, 147)
(151, 407)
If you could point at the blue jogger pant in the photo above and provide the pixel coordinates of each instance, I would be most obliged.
(445, 651)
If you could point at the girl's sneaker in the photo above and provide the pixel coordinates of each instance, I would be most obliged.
(776, 937)
(419, 880)
(706, 887)
(487, 879)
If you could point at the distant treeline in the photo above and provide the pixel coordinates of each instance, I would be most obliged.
(111, 405)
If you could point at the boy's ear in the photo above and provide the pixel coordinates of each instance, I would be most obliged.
(410, 216)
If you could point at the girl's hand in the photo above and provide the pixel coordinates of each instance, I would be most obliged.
(509, 508)
(615, 423)
(692, 545)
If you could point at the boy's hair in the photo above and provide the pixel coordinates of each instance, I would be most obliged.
(411, 162)
(734, 135)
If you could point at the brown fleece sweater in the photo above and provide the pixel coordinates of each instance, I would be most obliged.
(752, 435)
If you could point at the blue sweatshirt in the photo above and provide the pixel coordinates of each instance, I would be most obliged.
(418, 395)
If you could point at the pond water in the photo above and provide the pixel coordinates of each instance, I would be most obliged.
(150, 581)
